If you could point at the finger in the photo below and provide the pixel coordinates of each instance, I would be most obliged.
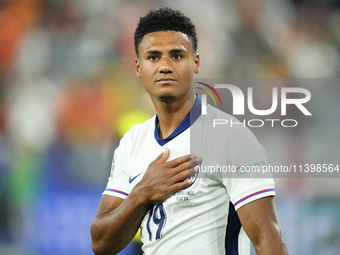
(180, 160)
(194, 170)
(181, 176)
(194, 161)
(162, 157)
(181, 185)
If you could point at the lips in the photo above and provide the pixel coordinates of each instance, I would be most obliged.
(165, 80)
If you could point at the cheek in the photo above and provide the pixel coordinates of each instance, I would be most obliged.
(147, 71)
(143, 75)
(187, 71)
(145, 81)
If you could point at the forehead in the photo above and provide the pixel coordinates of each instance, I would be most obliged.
(165, 40)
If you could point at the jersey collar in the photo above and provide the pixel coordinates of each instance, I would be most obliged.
(191, 117)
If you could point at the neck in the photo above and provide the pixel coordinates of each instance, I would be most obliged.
(171, 114)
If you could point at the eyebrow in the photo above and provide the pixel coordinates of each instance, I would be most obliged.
(156, 52)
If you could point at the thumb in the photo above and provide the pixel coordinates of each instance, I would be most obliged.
(163, 156)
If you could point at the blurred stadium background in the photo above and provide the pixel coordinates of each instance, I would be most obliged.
(68, 91)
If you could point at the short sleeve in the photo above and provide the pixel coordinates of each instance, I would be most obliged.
(118, 182)
(244, 185)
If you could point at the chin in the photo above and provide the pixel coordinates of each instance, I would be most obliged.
(166, 98)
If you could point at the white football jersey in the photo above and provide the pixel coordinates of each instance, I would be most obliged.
(200, 218)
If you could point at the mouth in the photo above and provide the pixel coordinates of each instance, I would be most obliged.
(165, 80)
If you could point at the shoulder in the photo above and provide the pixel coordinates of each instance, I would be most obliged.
(224, 125)
(229, 134)
(138, 132)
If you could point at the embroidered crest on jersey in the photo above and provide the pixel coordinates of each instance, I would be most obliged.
(193, 178)
(184, 195)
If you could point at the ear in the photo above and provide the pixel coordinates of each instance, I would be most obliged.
(197, 63)
(138, 73)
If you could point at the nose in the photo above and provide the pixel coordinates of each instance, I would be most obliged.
(165, 65)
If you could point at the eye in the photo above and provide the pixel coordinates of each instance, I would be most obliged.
(152, 57)
(177, 56)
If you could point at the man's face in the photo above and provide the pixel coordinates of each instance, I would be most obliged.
(166, 63)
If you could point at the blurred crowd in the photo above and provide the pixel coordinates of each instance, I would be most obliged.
(67, 77)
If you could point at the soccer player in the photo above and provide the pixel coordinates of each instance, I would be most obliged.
(155, 184)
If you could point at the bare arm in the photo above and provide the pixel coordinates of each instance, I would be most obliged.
(117, 220)
(259, 221)
(116, 223)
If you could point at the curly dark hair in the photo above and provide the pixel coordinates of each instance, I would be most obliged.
(165, 19)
